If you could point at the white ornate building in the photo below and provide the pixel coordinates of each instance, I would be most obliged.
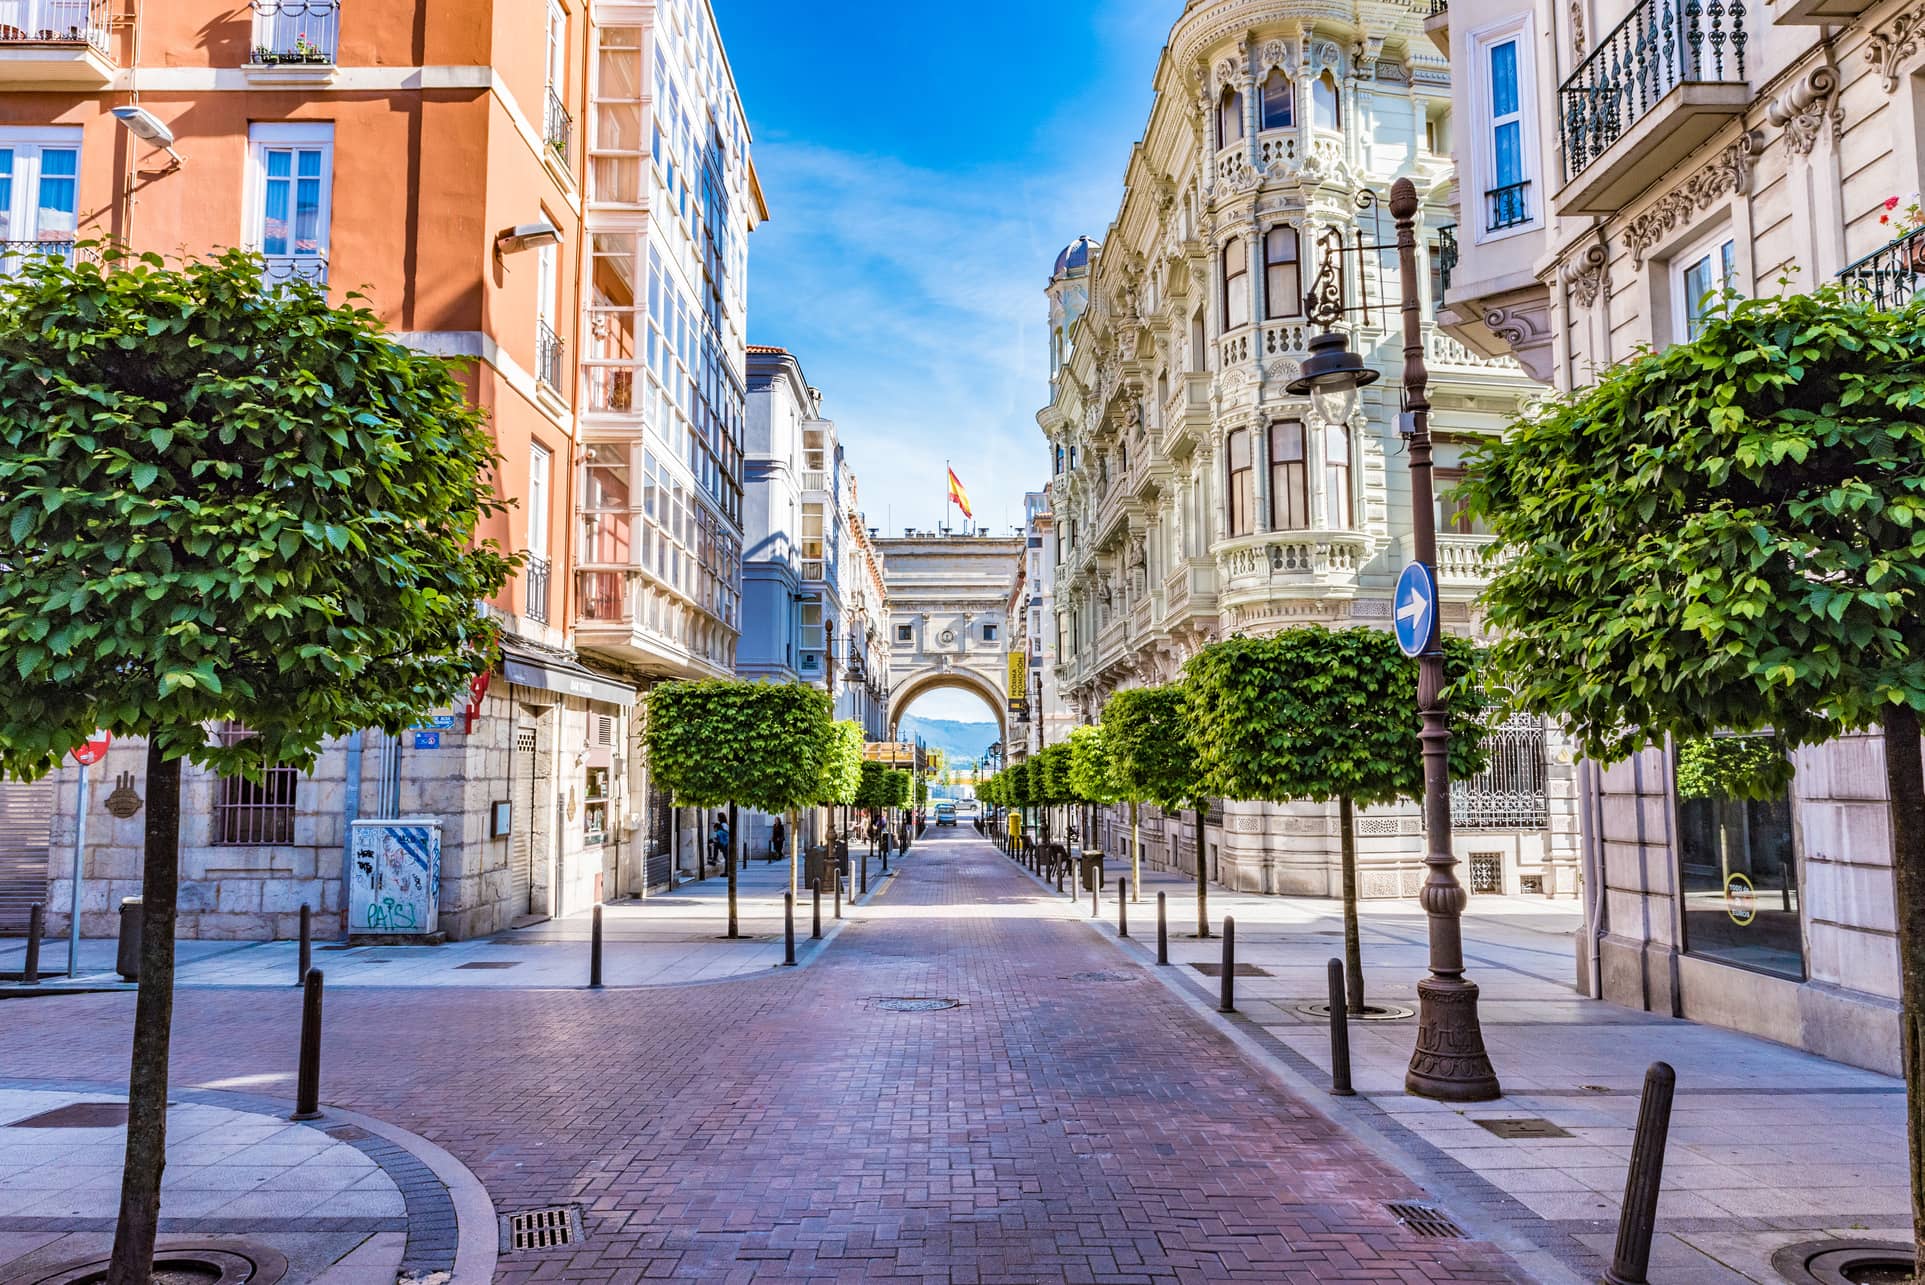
(1618, 161)
(1194, 497)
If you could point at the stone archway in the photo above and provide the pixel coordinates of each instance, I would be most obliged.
(935, 679)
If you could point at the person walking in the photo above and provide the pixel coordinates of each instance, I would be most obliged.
(775, 841)
(719, 839)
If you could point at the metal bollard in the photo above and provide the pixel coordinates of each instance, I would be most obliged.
(838, 894)
(863, 890)
(307, 1090)
(815, 896)
(1059, 878)
(788, 930)
(36, 923)
(1123, 906)
(1093, 911)
(595, 949)
(1162, 928)
(1227, 992)
(1339, 1034)
(306, 958)
(1639, 1219)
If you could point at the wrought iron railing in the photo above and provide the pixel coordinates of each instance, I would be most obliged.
(296, 32)
(1660, 45)
(1510, 793)
(557, 126)
(1439, 6)
(279, 268)
(535, 576)
(15, 255)
(548, 355)
(56, 22)
(1509, 206)
(1446, 254)
(1892, 275)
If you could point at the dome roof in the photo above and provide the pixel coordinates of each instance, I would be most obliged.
(1075, 256)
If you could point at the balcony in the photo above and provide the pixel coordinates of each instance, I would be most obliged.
(295, 39)
(56, 42)
(1437, 25)
(1445, 352)
(1507, 207)
(1462, 561)
(16, 255)
(1446, 255)
(277, 269)
(1258, 566)
(549, 351)
(1892, 275)
(535, 576)
(1655, 89)
(557, 126)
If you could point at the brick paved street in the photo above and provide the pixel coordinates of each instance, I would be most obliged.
(1069, 1121)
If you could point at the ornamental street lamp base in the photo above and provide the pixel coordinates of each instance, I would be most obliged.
(1449, 1064)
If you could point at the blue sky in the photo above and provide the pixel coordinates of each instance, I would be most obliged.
(924, 164)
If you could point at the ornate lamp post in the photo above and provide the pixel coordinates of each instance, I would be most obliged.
(1449, 1063)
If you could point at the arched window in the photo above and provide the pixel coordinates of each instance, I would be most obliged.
(1242, 492)
(1236, 285)
(1229, 117)
(1324, 110)
(1279, 107)
(1282, 277)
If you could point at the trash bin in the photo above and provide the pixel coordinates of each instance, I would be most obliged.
(1092, 869)
(127, 959)
(818, 869)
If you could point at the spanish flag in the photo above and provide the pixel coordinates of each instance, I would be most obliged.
(959, 496)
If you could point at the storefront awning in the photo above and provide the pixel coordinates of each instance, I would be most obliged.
(553, 674)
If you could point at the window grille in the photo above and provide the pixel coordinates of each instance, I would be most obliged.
(1509, 794)
(250, 814)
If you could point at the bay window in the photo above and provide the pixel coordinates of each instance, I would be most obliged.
(1241, 494)
(1336, 476)
(1229, 118)
(1325, 112)
(1289, 477)
(1282, 276)
(1279, 107)
(1236, 285)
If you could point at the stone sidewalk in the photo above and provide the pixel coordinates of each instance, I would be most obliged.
(666, 939)
(1769, 1146)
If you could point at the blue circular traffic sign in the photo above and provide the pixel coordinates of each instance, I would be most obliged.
(1414, 609)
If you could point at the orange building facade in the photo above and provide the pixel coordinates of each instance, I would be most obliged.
(559, 195)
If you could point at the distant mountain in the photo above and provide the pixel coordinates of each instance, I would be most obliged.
(957, 741)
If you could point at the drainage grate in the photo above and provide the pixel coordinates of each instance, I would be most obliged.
(915, 1003)
(1243, 970)
(1099, 976)
(1426, 1220)
(489, 963)
(78, 1115)
(541, 1228)
(1530, 1127)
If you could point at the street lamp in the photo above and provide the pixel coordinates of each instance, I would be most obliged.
(1449, 1063)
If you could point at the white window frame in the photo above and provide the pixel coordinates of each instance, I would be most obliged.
(263, 138)
(547, 279)
(27, 145)
(555, 58)
(1483, 128)
(1687, 257)
(541, 476)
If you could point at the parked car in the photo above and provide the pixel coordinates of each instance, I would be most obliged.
(945, 814)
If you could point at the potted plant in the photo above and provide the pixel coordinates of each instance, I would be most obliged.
(1905, 216)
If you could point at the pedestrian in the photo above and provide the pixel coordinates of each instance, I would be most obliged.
(775, 841)
(719, 840)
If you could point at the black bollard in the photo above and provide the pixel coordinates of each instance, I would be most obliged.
(307, 1084)
(1227, 992)
(1162, 928)
(862, 890)
(306, 957)
(36, 924)
(788, 930)
(838, 894)
(815, 896)
(1639, 1218)
(1059, 878)
(1339, 1034)
(595, 949)
(1123, 906)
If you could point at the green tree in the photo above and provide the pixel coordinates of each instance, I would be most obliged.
(222, 502)
(874, 793)
(1092, 778)
(1324, 714)
(1053, 766)
(1152, 761)
(1729, 535)
(794, 736)
(842, 767)
(698, 735)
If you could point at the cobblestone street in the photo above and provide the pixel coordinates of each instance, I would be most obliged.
(1068, 1120)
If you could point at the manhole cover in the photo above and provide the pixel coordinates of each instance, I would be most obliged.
(1426, 1220)
(78, 1115)
(915, 1003)
(489, 963)
(1529, 1127)
(1844, 1262)
(1243, 970)
(541, 1228)
(229, 1263)
(1371, 1013)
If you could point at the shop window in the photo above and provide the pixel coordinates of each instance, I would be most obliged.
(595, 800)
(1737, 864)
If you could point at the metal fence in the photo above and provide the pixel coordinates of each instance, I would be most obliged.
(296, 32)
(1510, 793)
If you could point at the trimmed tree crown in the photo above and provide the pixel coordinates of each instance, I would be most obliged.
(1150, 755)
(1092, 775)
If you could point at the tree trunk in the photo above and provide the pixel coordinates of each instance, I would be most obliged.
(795, 858)
(728, 860)
(1136, 856)
(1907, 787)
(1202, 897)
(133, 1261)
(1353, 951)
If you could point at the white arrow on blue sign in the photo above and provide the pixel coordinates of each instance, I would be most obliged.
(1415, 609)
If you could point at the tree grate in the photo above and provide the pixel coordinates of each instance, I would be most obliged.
(1528, 1127)
(1243, 970)
(1426, 1220)
(541, 1228)
(915, 1003)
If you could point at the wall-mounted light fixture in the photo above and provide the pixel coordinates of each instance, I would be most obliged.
(526, 236)
(149, 128)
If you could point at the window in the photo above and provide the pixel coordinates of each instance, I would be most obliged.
(1199, 358)
(292, 175)
(989, 633)
(1229, 118)
(905, 633)
(812, 530)
(557, 59)
(617, 146)
(1289, 478)
(1508, 185)
(539, 462)
(1282, 278)
(1737, 860)
(1324, 110)
(1241, 496)
(1336, 476)
(607, 513)
(38, 177)
(1697, 277)
(1236, 285)
(285, 31)
(1453, 517)
(248, 814)
(1279, 108)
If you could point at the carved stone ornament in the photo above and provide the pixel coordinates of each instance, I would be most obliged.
(1894, 42)
(1728, 175)
(1589, 274)
(1277, 53)
(1577, 27)
(1804, 109)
